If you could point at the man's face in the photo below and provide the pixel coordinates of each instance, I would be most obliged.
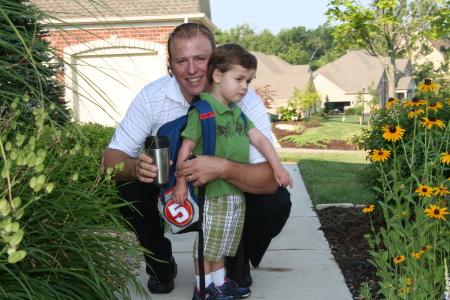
(189, 60)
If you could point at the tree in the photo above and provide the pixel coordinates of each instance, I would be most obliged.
(306, 97)
(266, 94)
(386, 28)
(27, 66)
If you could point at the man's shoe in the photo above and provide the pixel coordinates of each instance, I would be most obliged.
(230, 288)
(247, 280)
(212, 292)
(156, 287)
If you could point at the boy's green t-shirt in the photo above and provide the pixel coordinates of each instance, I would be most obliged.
(232, 140)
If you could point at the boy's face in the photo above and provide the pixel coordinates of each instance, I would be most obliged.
(231, 86)
(189, 64)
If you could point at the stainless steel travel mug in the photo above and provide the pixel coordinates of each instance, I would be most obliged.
(158, 147)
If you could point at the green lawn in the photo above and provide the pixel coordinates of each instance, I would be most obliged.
(334, 128)
(332, 177)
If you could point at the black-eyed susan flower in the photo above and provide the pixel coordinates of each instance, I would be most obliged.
(416, 255)
(408, 281)
(415, 102)
(425, 190)
(407, 290)
(392, 133)
(428, 86)
(436, 212)
(368, 208)
(425, 249)
(391, 101)
(446, 158)
(405, 213)
(435, 106)
(432, 120)
(399, 259)
(441, 191)
(378, 155)
(415, 113)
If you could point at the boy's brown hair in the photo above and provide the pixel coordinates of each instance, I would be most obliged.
(228, 55)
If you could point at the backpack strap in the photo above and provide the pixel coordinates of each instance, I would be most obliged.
(208, 121)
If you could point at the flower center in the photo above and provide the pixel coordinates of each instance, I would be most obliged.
(436, 211)
(424, 190)
(427, 82)
(432, 119)
(424, 248)
(432, 104)
(415, 99)
(379, 153)
(392, 129)
(391, 99)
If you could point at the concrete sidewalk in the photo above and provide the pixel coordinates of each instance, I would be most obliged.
(298, 265)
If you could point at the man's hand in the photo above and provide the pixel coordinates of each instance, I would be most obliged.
(202, 169)
(140, 168)
(144, 169)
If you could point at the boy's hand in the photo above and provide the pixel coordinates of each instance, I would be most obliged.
(283, 178)
(179, 194)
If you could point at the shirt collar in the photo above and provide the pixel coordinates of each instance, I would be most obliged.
(217, 106)
(173, 91)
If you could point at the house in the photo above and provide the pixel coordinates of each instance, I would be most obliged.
(340, 81)
(114, 48)
(436, 52)
(281, 77)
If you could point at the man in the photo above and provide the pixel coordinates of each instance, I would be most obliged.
(168, 98)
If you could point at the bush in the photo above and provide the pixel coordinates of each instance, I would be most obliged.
(57, 215)
(410, 152)
(350, 111)
(307, 138)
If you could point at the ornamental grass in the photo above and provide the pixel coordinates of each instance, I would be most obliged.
(413, 179)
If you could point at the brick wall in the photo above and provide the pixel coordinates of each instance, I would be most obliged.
(60, 40)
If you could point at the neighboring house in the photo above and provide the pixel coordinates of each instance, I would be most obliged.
(116, 50)
(281, 76)
(437, 50)
(341, 81)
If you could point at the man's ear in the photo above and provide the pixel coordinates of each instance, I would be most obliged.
(217, 76)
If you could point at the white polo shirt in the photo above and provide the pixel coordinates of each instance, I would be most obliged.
(160, 102)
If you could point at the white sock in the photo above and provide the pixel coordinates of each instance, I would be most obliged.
(218, 277)
(207, 280)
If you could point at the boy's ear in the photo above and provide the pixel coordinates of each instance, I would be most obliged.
(217, 76)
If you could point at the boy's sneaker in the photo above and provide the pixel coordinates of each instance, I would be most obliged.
(231, 288)
(212, 292)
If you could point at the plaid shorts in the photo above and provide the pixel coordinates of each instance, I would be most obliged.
(223, 221)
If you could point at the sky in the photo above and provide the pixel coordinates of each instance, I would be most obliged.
(271, 14)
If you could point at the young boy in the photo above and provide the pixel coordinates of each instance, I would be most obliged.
(230, 70)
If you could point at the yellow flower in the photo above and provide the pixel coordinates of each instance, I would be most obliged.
(415, 113)
(436, 212)
(382, 154)
(416, 255)
(391, 101)
(408, 290)
(432, 121)
(425, 249)
(427, 86)
(441, 191)
(446, 158)
(434, 106)
(415, 102)
(408, 281)
(399, 259)
(393, 133)
(405, 213)
(368, 208)
(425, 190)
